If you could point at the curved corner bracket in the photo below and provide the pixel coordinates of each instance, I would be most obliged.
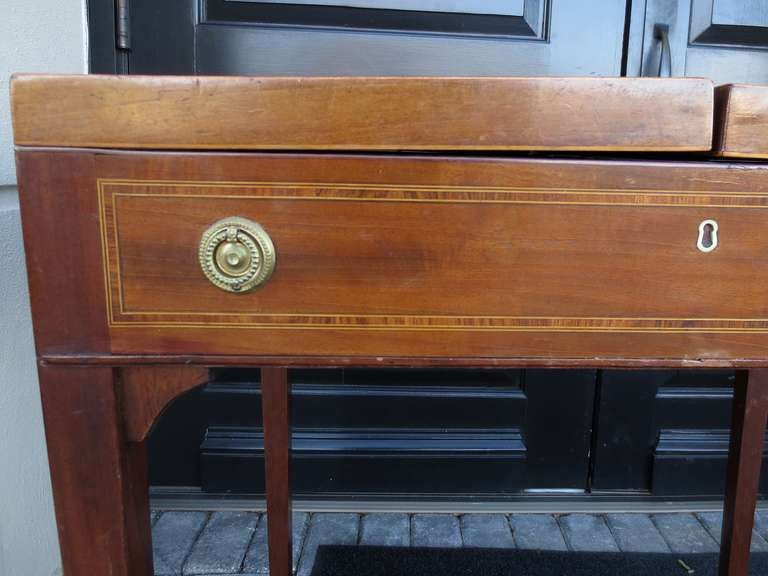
(145, 391)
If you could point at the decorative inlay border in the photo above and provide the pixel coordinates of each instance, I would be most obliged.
(110, 189)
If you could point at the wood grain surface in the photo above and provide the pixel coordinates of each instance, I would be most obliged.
(408, 257)
(615, 114)
(99, 479)
(741, 121)
(328, 361)
(145, 391)
(60, 224)
(748, 421)
(276, 411)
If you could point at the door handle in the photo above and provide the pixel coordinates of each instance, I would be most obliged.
(661, 33)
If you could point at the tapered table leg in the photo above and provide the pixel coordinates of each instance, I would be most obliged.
(100, 485)
(750, 415)
(276, 408)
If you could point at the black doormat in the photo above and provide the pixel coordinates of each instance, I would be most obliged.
(393, 561)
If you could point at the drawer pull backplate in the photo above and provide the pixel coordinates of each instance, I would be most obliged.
(236, 254)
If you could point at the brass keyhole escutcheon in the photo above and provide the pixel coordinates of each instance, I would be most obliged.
(236, 254)
(708, 239)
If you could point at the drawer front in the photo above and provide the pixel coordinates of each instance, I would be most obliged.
(502, 258)
(514, 260)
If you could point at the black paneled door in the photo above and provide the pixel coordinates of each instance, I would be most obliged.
(387, 37)
(446, 433)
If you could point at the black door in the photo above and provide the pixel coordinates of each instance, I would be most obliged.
(350, 37)
(725, 40)
(446, 432)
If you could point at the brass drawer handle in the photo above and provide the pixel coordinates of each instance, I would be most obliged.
(237, 254)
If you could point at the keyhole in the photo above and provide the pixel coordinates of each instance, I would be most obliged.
(707, 236)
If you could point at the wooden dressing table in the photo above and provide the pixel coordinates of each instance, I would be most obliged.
(174, 224)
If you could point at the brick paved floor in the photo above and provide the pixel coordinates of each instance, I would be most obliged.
(227, 543)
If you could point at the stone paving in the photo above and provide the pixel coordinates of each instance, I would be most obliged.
(228, 543)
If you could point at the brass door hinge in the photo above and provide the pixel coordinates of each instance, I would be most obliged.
(123, 24)
(123, 34)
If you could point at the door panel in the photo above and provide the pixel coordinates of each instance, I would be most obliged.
(383, 432)
(624, 435)
(498, 7)
(374, 431)
(725, 40)
(163, 37)
(663, 432)
(729, 22)
(531, 38)
(515, 38)
(524, 18)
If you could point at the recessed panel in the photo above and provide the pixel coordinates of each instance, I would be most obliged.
(514, 18)
(506, 7)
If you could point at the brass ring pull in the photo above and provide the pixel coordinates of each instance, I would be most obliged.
(236, 254)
